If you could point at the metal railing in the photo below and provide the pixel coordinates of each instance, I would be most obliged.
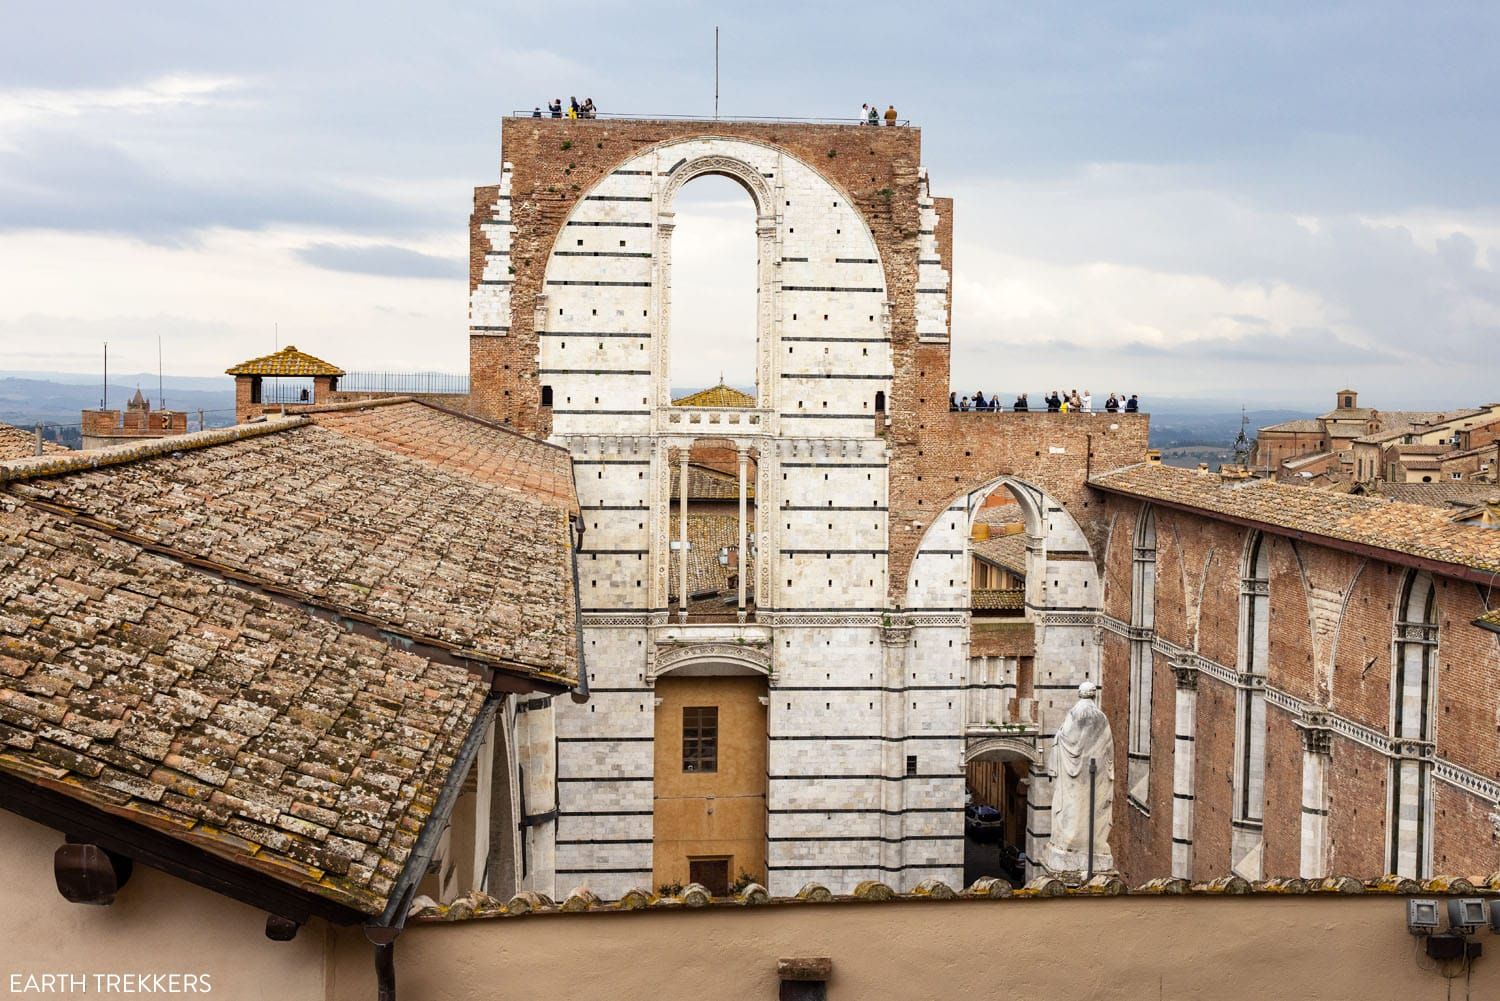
(397, 383)
(761, 119)
(285, 390)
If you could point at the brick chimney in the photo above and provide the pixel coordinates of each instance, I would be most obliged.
(1153, 456)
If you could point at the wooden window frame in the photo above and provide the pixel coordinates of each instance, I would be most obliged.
(700, 739)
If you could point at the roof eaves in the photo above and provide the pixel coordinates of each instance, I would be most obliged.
(64, 808)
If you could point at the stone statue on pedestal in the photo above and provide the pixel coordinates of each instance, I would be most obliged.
(1083, 740)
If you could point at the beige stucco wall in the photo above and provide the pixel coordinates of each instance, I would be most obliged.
(1198, 946)
(1213, 948)
(158, 924)
(710, 814)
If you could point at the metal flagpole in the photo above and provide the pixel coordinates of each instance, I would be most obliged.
(716, 72)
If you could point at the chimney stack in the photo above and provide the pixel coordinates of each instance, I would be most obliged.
(1153, 456)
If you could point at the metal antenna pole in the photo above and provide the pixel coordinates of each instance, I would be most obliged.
(104, 401)
(161, 394)
(716, 72)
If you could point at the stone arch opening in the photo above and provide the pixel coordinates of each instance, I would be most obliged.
(1022, 672)
(997, 775)
(714, 287)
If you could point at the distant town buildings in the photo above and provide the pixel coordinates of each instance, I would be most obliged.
(102, 428)
(1353, 445)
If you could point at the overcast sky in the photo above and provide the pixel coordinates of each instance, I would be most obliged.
(1258, 202)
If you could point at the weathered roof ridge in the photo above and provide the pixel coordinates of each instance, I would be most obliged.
(478, 905)
(385, 401)
(63, 463)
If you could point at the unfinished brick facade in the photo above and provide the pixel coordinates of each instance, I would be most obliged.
(865, 487)
(1337, 633)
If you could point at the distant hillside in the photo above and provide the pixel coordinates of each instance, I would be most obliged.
(26, 400)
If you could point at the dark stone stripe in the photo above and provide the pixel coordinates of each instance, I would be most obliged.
(603, 284)
(601, 253)
(593, 371)
(827, 288)
(841, 340)
(840, 375)
(636, 225)
(586, 333)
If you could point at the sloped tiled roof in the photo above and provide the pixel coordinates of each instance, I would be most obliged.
(1007, 551)
(1489, 620)
(716, 396)
(189, 704)
(355, 523)
(1410, 529)
(16, 443)
(288, 362)
(1443, 495)
(479, 449)
(708, 533)
(1302, 425)
(712, 484)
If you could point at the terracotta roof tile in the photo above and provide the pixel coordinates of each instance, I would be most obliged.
(1411, 529)
(16, 443)
(450, 550)
(287, 362)
(160, 692)
(716, 396)
(1008, 551)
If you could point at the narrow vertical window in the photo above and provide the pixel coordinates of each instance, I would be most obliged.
(1142, 629)
(1416, 639)
(700, 739)
(1247, 838)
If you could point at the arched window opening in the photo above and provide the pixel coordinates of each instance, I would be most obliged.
(546, 396)
(880, 401)
(1416, 639)
(1142, 629)
(1248, 839)
(713, 290)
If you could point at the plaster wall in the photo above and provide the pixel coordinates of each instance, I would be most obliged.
(1125, 948)
(157, 924)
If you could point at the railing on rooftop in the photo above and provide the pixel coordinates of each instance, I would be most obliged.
(754, 119)
(284, 389)
(399, 383)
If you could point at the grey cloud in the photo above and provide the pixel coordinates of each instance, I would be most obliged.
(386, 260)
(62, 182)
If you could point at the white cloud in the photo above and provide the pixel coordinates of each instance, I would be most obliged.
(26, 106)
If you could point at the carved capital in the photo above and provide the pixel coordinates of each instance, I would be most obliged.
(1186, 674)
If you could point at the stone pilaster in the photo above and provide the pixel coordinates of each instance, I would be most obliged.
(1184, 760)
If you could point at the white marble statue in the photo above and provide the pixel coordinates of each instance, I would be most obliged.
(1084, 735)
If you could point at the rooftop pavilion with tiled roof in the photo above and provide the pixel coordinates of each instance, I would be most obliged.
(258, 657)
(316, 379)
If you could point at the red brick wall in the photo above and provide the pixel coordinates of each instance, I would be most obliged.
(1214, 781)
(1360, 647)
(1282, 812)
(1357, 808)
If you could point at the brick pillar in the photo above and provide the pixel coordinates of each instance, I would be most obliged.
(1317, 750)
(1183, 768)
